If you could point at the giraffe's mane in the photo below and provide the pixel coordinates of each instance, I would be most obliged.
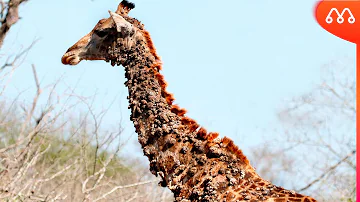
(192, 124)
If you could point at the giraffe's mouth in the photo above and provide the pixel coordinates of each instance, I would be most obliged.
(70, 59)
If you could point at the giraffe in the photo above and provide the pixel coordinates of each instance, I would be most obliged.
(194, 164)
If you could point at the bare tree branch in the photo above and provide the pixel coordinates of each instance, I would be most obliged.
(12, 16)
(122, 187)
(327, 171)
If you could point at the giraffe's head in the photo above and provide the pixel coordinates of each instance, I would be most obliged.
(108, 39)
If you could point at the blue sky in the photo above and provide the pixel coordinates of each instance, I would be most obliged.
(230, 65)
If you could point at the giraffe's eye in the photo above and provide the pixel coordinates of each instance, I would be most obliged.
(101, 33)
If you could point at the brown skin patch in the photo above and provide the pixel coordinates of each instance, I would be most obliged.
(177, 110)
(190, 123)
(211, 136)
(161, 80)
(225, 141)
(150, 44)
(235, 150)
(294, 199)
(202, 133)
(168, 96)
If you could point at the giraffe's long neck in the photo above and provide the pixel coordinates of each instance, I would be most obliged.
(193, 164)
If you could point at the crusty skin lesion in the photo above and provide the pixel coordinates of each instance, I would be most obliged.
(194, 164)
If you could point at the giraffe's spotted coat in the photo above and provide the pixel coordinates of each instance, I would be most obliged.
(194, 164)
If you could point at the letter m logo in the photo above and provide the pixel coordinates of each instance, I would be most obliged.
(340, 16)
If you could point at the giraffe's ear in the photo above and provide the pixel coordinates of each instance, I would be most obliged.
(121, 24)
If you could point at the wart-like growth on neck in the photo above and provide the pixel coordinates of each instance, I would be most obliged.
(194, 164)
